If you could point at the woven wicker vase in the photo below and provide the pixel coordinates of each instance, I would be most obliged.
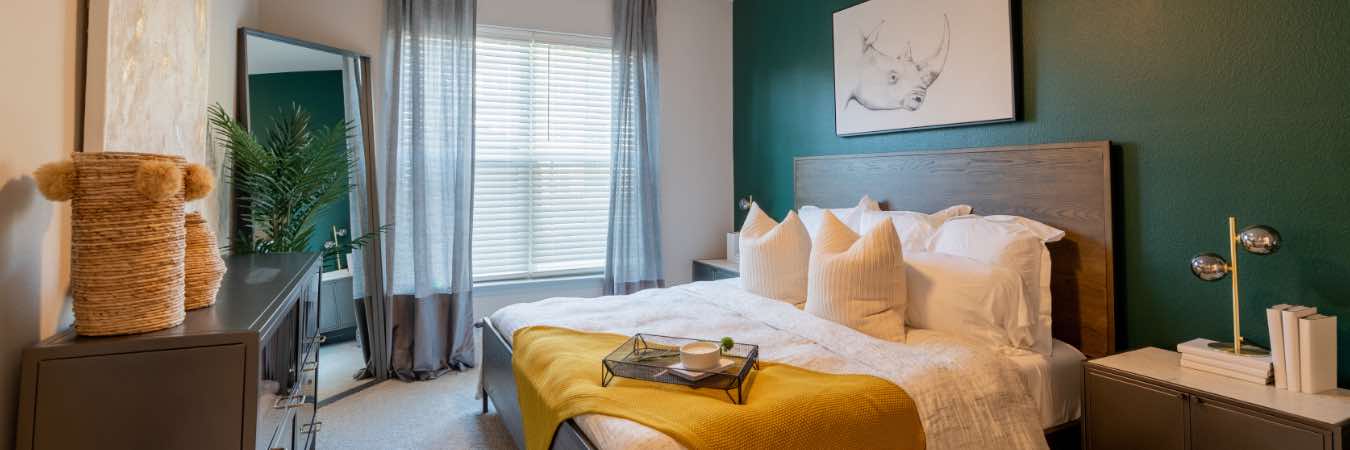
(202, 263)
(126, 249)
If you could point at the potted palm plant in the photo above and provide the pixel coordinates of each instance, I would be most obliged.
(285, 181)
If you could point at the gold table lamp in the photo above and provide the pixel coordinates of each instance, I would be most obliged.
(1256, 239)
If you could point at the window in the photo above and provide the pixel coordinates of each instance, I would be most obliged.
(542, 154)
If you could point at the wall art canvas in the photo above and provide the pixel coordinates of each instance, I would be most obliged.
(147, 81)
(914, 64)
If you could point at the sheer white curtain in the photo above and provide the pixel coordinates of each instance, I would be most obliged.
(429, 49)
(633, 256)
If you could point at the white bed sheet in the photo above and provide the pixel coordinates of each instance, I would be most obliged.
(968, 397)
(1054, 382)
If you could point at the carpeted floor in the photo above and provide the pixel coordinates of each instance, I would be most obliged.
(436, 414)
(338, 362)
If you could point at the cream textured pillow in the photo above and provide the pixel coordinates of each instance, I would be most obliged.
(774, 256)
(858, 281)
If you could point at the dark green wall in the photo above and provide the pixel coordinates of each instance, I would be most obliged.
(1218, 107)
(319, 93)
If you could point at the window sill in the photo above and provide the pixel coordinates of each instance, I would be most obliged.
(531, 283)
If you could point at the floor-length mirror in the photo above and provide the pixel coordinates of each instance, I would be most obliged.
(307, 105)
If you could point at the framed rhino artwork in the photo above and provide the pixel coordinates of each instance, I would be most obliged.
(916, 64)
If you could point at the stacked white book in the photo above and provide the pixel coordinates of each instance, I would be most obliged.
(1303, 346)
(1197, 354)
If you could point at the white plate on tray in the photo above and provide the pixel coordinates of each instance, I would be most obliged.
(695, 375)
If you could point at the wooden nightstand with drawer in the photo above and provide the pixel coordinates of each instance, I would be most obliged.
(715, 269)
(1144, 399)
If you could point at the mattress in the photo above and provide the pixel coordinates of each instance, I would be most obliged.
(968, 396)
(1054, 382)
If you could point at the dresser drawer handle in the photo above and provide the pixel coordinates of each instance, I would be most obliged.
(288, 402)
(312, 428)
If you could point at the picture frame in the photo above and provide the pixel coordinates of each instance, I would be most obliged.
(905, 65)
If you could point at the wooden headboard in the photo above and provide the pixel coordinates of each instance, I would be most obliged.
(1067, 186)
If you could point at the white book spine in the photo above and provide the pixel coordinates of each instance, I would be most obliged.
(1291, 351)
(1317, 348)
(1275, 326)
(1224, 372)
(1261, 372)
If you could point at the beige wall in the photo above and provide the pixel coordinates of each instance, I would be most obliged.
(226, 18)
(38, 121)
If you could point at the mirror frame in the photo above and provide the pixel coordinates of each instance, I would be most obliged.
(373, 256)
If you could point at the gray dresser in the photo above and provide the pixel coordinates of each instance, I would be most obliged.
(237, 375)
(1144, 399)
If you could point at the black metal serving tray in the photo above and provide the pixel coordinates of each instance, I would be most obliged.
(648, 357)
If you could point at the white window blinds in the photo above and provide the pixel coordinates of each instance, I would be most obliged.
(542, 154)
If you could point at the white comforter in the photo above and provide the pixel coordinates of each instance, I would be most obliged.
(968, 397)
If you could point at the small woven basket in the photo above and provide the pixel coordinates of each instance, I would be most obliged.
(203, 266)
(126, 249)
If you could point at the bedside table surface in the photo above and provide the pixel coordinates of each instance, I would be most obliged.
(723, 264)
(1331, 407)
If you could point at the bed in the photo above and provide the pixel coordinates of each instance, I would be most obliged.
(1064, 185)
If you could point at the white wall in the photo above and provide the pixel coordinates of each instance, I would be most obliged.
(695, 56)
(38, 119)
(694, 51)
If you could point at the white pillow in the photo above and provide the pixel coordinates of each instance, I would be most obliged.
(964, 296)
(774, 256)
(858, 281)
(1016, 243)
(852, 217)
(915, 228)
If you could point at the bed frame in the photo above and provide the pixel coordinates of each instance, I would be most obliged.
(1067, 186)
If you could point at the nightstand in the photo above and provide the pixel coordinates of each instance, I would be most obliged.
(1144, 399)
(715, 269)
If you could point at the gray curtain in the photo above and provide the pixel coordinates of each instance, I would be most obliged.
(633, 254)
(429, 48)
(368, 301)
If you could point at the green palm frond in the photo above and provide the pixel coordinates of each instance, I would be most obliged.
(286, 182)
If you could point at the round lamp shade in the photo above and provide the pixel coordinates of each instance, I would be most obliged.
(1260, 239)
(1209, 267)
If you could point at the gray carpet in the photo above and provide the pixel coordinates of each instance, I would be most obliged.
(436, 414)
(338, 362)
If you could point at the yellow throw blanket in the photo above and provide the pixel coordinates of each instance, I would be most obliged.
(558, 377)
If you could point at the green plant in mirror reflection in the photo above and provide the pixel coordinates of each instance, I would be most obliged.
(285, 181)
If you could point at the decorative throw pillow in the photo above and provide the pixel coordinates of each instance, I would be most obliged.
(858, 281)
(774, 256)
(811, 215)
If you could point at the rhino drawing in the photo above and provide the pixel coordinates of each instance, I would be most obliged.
(888, 82)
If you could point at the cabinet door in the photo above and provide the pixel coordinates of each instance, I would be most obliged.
(183, 398)
(1222, 426)
(1125, 414)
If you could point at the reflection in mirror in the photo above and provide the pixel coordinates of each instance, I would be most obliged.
(283, 82)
